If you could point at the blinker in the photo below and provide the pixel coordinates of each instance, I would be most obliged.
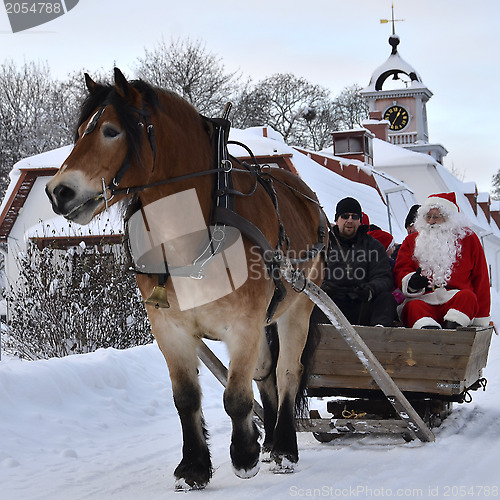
(94, 120)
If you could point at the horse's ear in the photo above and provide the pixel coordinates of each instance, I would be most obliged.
(91, 85)
(124, 89)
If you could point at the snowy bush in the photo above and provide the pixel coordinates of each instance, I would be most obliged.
(73, 301)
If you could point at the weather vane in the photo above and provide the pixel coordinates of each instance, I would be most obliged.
(392, 20)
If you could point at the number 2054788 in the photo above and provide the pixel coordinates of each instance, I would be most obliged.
(33, 7)
(470, 491)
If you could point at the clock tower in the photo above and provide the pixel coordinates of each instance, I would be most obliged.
(397, 92)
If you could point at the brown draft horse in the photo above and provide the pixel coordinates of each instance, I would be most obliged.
(113, 132)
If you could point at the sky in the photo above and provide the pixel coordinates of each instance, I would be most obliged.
(453, 44)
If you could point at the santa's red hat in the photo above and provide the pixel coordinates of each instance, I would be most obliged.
(384, 237)
(365, 220)
(446, 200)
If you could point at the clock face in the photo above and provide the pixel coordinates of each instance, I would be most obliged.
(397, 117)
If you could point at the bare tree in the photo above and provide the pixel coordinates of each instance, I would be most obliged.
(495, 186)
(28, 124)
(187, 68)
(351, 108)
(289, 104)
(73, 301)
(320, 129)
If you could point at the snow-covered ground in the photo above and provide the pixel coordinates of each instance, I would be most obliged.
(103, 425)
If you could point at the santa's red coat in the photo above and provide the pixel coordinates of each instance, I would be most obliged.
(469, 272)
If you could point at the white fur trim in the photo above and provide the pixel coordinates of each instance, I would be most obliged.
(438, 296)
(447, 204)
(404, 287)
(425, 321)
(481, 321)
(458, 317)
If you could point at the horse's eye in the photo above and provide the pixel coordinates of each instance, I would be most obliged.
(110, 132)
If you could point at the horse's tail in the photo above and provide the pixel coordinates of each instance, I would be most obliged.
(273, 342)
(301, 400)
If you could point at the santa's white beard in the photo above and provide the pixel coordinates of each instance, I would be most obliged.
(437, 247)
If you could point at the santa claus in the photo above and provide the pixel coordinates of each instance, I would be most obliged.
(441, 270)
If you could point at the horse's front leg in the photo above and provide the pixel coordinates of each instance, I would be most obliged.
(238, 399)
(180, 351)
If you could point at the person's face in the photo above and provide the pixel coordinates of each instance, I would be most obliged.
(348, 224)
(434, 216)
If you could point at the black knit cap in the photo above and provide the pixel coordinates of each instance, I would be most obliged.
(348, 206)
(412, 215)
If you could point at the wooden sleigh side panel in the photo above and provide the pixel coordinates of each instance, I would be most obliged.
(440, 362)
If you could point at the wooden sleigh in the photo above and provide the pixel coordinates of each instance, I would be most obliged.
(433, 369)
(382, 380)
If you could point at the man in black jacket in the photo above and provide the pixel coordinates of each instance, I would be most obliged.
(358, 276)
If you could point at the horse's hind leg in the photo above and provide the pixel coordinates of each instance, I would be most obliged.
(265, 377)
(180, 351)
(238, 399)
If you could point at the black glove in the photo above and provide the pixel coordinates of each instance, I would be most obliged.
(417, 281)
(363, 292)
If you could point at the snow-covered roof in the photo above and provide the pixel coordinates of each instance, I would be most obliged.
(328, 186)
(49, 159)
(254, 138)
(331, 188)
(386, 154)
(399, 196)
(107, 223)
(394, 65)
(52, 158)
(478, 221)
(483, 197)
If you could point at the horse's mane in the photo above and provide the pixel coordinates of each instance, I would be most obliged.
(106, 93)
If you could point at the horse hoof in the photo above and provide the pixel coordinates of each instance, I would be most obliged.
(182, 484)
(265, 456)
(282, 465)
(247, 473)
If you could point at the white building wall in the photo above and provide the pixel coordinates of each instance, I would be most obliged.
(36, 209)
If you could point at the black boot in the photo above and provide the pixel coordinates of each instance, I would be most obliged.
(451, 325)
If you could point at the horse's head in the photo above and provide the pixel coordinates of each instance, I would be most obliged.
(111, 137)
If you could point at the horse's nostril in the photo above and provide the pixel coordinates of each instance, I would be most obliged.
(63, 193)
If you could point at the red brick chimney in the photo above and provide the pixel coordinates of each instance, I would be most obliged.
(378, 127)
(484, 202)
